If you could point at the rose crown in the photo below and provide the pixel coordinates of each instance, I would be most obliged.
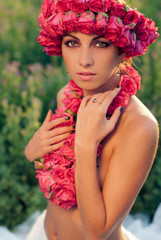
(127, 28)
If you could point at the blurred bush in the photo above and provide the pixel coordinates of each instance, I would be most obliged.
(29, 81)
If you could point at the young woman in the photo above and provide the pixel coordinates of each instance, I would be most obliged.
(97, 149)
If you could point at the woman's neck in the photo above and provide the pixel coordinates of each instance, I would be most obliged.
(112, 83)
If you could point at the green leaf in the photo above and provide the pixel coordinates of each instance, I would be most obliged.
(67, 13)
(70, 112)
(128, 2)
(119, 20)
(105, 15)
(135, 36)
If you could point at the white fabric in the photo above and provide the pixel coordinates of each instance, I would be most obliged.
(138, 227)
(38, 231)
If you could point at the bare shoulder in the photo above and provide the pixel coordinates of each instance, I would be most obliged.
(139, 120)
(139, 130)
(60, 96)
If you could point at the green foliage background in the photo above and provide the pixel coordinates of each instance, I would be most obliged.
(29, 81)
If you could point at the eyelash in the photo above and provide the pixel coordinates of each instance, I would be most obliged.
(100, 42)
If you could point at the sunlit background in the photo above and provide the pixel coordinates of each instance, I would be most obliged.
(29, 81)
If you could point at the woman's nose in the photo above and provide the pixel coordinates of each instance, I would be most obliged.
(86, 58)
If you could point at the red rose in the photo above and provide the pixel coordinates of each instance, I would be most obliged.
(131, 16)
(47, 8)
(78, 6)
(68, 21)
(86, 23)
(128, 85)
(53, 51)
(130, 48)
(62, 6)
(109, 4)
(140, 48)
(118, 10)
(141, 24)
(120, 100)
(96, 5)
(101, 23)
(153, 35)
(123, 40)
(73, 87)
(114, 29)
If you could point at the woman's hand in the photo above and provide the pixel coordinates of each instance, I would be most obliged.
(92, 125)
(47, 139)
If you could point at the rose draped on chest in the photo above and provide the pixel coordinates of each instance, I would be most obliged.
(56, 170)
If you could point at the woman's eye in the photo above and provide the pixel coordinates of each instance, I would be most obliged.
(71, 43)
(101, 44)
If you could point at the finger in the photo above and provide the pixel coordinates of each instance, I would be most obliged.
(109, 98)
(98, 98)
(57, 139)
(56, 122)
(84, 102)
(48, 117)
(55, 146)
(60, 131)
(114, 118)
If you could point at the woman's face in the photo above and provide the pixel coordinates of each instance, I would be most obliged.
(91, 61)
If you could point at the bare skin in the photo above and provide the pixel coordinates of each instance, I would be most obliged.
(63, 225)
(129, 141)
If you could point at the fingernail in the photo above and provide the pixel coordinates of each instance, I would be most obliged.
(121, 109)
(67, 118)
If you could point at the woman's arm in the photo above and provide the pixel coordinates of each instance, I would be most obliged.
(47, 139)
(102, 211)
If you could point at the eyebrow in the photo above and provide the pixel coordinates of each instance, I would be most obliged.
(95, 38)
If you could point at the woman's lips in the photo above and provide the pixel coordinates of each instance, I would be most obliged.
(86, 76)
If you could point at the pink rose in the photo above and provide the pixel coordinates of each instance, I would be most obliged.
(118, 10)
(78, 6)
(114, 29)
(70, 175)
(73, 87)
(72, 104)
(67, 151)
(58, 174)
(86, 23)
(48, 165)
(96, 5)
(67, 194)
(45, 180)
(62, 5)
(68, 21)
(131, 16)
(101, 23)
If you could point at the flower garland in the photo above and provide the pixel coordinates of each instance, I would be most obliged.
(127, 28)
(56, 170)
